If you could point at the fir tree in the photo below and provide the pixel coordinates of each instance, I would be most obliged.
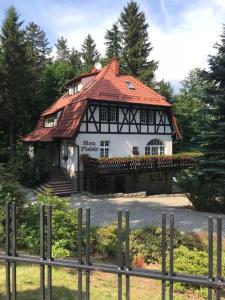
(38, 45)
(15, 77)
(113, 42)
(89, 52)
(136, 44)
(206, 185)
(75, 60)
(62, 49)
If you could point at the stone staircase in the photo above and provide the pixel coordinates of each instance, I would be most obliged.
(58, 184)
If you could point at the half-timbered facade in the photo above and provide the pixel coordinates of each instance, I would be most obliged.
(105, 115)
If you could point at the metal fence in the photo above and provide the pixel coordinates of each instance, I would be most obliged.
(85, 266)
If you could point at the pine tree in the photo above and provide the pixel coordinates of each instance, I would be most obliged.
(15, 77)
(136, 44)
(165, 89)
(38, 46)
(206, 185)
(75, 60)
(62, 49)
(89, 53)
(113, 42)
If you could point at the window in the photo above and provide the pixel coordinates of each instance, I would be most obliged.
(75, 88)
(50, 122)
(155, 147)
(104, 149)
(143, 116)
(103, 114)
(130, 85)
(156, 176)
(135, 150)
(150, 117)
(112, 114)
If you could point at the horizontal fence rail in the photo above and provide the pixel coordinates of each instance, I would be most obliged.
(85, 267)
(105, 166)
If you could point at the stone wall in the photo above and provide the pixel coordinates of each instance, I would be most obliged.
(151, 182)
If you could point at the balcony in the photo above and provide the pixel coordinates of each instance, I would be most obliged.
(141, 163)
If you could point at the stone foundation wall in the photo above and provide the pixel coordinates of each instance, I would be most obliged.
(152, 183)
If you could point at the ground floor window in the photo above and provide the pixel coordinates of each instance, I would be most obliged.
(155, 147)
(157, 176)
(135, 150)
(104, 149)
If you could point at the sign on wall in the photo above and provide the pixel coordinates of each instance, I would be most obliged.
(89, 146)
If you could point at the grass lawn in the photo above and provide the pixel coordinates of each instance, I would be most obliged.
(103, 286)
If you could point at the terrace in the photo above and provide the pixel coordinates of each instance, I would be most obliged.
(141, 163)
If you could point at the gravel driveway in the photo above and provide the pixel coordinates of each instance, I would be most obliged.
(146, 210)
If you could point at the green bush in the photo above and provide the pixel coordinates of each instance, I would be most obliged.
(144, 242)
(203, 193)
(64, 226)
(9, 192)
(106, 240)
(27, 171)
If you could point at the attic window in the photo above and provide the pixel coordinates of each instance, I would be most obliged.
(75, 88)
(52, 121)
(130, 85)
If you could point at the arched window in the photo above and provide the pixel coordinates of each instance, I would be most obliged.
(155, 147)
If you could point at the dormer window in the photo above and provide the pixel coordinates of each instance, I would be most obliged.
(75, 88)
(53, 120)
(130, 85)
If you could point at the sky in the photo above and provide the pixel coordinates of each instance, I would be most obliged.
(182, 32)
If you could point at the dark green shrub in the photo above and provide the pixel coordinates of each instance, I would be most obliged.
(146, 242)
(106, 240)
(27, 171)
(64, 226)
(9, 192)
(204, 193)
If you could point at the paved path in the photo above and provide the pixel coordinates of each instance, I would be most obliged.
(146, 210)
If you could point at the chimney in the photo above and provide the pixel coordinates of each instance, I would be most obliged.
(115, 66)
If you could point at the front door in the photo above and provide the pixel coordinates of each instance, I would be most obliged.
(120, 184)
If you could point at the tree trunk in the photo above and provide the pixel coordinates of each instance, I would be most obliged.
(11, 139)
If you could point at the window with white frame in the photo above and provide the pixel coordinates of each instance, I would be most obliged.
(112, 114)
(155, 147)
(143, 116)
(130, 85)
(103, 114)
(104, 149)
(49, 122)
(52, 121)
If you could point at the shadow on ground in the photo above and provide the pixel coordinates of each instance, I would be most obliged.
(59, 293)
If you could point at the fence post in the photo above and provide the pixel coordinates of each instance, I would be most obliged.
(163, 252)
(127, 252)
(171, 253)
(219, 256)
(87, 253)
(119, 252)
(79, 240)
(49, 250)
(14, 294)
(7, 250)
(210, 254)
(42, 252)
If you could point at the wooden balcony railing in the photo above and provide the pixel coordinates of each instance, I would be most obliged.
(120, 165)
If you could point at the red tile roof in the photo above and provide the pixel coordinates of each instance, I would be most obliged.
(106, 85)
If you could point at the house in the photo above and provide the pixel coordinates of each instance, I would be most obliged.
(103, 117)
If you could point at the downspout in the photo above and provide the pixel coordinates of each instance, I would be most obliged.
(78, 167)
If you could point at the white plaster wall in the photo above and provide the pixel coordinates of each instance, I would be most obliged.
(120, 144)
